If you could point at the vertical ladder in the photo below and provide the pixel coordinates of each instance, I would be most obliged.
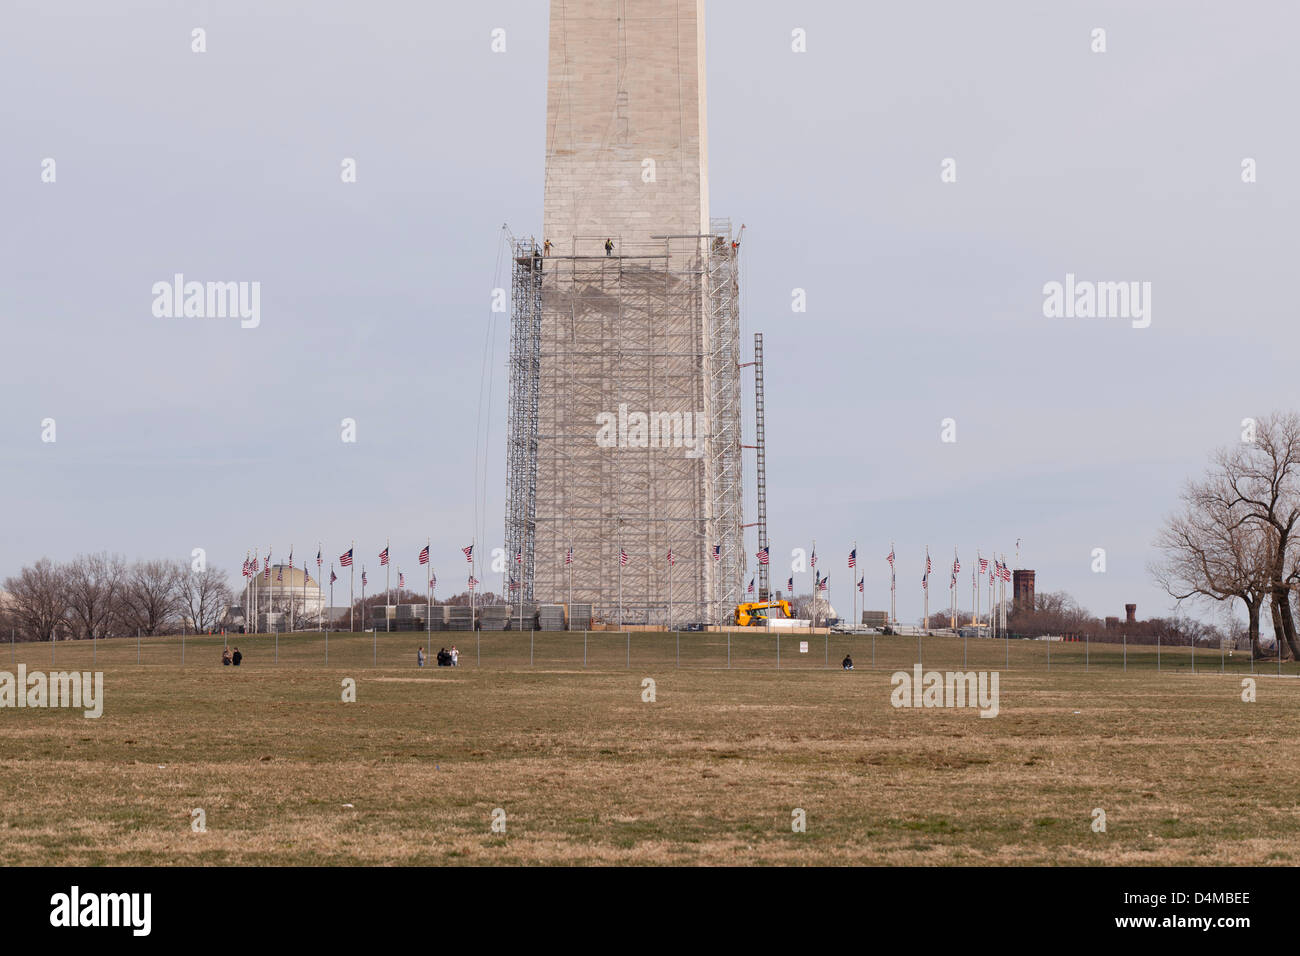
(760, 442)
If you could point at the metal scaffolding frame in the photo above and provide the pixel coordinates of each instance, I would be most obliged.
(625, 427)
(521, 429)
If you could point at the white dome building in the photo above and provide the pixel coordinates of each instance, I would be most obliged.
(291, 592)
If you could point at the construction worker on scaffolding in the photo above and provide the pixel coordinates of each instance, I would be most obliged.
(609, 247)
(546, 247)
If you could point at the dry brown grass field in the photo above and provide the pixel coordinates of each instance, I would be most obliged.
(587, 773)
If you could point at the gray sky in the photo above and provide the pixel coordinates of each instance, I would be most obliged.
(924, 298)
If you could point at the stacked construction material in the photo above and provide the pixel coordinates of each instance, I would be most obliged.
(494, 617)
(579, 617)
(550, 617)
(460, 617)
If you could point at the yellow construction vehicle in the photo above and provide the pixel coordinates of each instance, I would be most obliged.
(756, 613)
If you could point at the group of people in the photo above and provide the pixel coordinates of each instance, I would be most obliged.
(228, 658)
(446, 658)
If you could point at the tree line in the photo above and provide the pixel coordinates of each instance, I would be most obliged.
(102, 595)
(1234, 538)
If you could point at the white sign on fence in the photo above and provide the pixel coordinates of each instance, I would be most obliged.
(803, 647)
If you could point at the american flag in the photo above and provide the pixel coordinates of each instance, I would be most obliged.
(383, 557)
(345, 559)
(764, 555)
(956, 565)
(984, 566)
(401, 579)
(814, 558)
(363, 577)
(318, 562)
(861, 581)
(519, 557)
(890, 559)
(853, 558)
(925, 581)
(245, 565)
(789, 585)
(333, 577)
(751, 585)
(821, 585)
(568, 556)
(424, 555)
(717, 552)
(671, 562)
(473, 582)
(928, 566)
(279, 572)
(513, 584)
(1006, 573)
(622, 556)
(469, 553)
(266, 575)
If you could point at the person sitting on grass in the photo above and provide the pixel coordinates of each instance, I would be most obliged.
(236, 657)
(225, 657)
(847, 663)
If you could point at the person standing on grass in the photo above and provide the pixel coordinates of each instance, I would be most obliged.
(236, 657)
(455, 656)
(419, 657)
(847, 663)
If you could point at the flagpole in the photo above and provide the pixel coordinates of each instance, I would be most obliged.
(326, 627)
(816, 581)
(318, 587)
(473, 592)
(388, 581)
(352, 579)
(893, 588)
(854, 573)
(428, 592)
(925, 624)
(570, 557)
(975, 591)
(670, 587)
(363, 598)
(304, 587)
(620, 581)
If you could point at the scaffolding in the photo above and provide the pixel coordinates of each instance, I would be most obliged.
(521, 428)
(760, 465)
(624, 430)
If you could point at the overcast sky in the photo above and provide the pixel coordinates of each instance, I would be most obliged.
(925, 298)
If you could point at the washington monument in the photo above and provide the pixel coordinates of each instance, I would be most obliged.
(624, 451)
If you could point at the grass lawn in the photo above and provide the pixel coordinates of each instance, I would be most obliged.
(586, 772)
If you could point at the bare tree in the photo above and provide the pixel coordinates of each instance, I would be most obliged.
(205, 594)
(94, 585)
(153, 594)
(1261, 484)
(1211, 553)
(38, 600)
